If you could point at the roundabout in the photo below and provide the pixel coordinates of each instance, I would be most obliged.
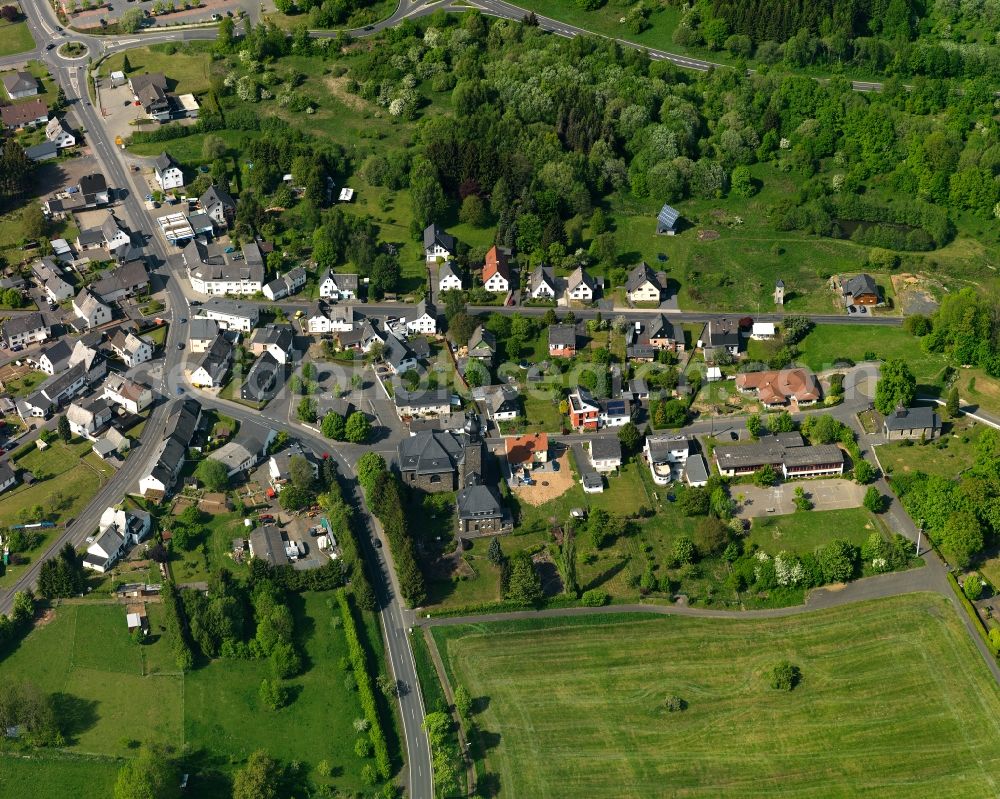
(73, 51)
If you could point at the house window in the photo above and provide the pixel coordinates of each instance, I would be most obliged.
(435, 478)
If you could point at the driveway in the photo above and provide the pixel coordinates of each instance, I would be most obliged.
(779, 500)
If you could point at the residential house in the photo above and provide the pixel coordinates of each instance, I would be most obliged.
(482, 345)
(125, 281)
(722, 335)
(129, 394)
(87, 417)
(201, 334)
(212, 271)
(8, 477)
(649, 336)
(34, 406)
(666, 456)
(666, 220)
(496, 271)
(231, 315)
(149, 90)
(86, 352)
(502, 402)
(429, 460)
(644, 285)
(580, 286)
(24, 115)
(527, 451)
(246, 450)
(219, 206)
(210, 368)
(397, 356)
(542, 283)
(334, 286)
(90, 310)
(584, 410)
(111, 444)
(920, 422)
(24, 329)
(786, 453)
(613, 413)
(860, 290)
(131, 349)
(95, 191)
(779, 388)
(279, 465)
(592, 483)
(57, 289)
(262, 378)
(276, 339)
(423, 320)
(562, 341)
(60, 133)
(438, 244)
(285, 285)
(182, 423)
(448, 278)
(605, 453)
(55, 357)
(421, 403)
(117, 532)
(19, 84)
(167, 172)
(61, 388)
(361, 338)
(267, 543)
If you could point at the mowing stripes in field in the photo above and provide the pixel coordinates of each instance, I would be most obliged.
(894, 702)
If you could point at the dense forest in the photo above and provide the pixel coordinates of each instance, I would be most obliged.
(948, 38)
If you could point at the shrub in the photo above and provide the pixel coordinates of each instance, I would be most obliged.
(973, 586)
(674, 704)
(594, 598)
(784, 676)
(683, 550)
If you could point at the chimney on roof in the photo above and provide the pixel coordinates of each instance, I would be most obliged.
(900, 411)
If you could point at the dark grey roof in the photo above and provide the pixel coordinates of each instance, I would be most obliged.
(562, 335)
(605, 447)
(215, 194)
(479, 502)
(776, 450)
(215, 359)
(261, 377)
(723, 332)
(279, 335)
(592, 480)
(56, 386)
(23, 323)
(860, 284)
(129, 277)
(164, 161)
(93, 184)
(543, 274)
(425, 399)
(91, 236)
(639, 275)
(267, 544)
(19, 82)
(395, 351)
(182, 421)
(660, 446)
(39, 152)
(252, 253)
(58, 353)
(6, 473)
(696, 469)
(920, 417)
(430, 452)
(433, 234)
(807, 456)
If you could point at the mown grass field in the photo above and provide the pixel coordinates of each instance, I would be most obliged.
(187, 69)
(950, 455)
(827, 344)
(15, 38)
(894, 702)
(804, 532)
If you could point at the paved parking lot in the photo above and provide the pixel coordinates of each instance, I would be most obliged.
(780, 499)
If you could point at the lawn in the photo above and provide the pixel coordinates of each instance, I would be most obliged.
(26, 383)
(948, 457)
(212, 554)
(187, 70)
(56, 776)
(894, 702)
(827, 344)
(77, 655)
(978, 388)
(805, 532)
(15, 38)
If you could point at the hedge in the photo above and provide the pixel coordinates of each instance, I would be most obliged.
(183, 653)
(385, 500)
(365, 692)
(971, 611)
